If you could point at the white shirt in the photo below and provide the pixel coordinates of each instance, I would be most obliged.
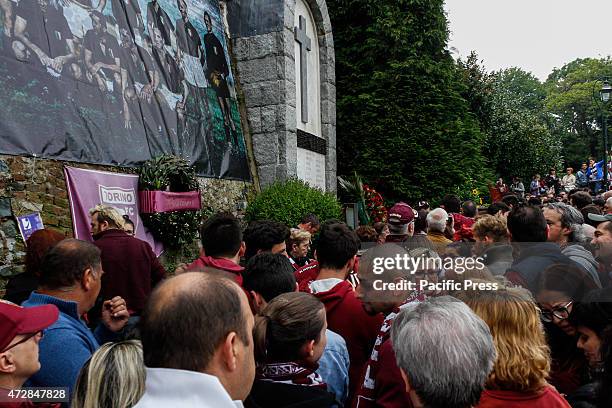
(324, 285)
(166, 387)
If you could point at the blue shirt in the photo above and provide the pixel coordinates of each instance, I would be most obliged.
(334, 365)
(598, 171)
(66, 345)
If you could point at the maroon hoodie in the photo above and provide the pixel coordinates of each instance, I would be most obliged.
(345, 316)
(218, 263)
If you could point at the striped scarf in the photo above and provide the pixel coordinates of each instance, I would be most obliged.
(291, 373)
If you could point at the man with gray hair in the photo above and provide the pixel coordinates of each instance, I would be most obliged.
(436, 224)
(451, 374)
(131, 268)
(564, 223)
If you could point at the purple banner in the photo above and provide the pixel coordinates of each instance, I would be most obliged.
(88, 188)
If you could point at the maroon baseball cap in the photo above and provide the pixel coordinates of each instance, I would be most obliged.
(401, 213)
(16, 320)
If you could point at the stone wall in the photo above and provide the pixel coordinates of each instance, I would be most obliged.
(262, 41)
(38, 185)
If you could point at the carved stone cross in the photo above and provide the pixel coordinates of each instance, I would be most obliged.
(305, 46)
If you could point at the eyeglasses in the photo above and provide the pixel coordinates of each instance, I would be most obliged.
(26, 338)
(560, 313)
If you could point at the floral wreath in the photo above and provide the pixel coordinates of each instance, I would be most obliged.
(375, 206)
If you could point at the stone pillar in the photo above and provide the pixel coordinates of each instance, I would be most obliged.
(263, 37)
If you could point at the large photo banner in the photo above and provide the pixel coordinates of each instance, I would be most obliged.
(118, 82)
(88, 188)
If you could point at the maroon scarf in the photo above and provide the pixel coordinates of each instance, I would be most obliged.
(296, 373)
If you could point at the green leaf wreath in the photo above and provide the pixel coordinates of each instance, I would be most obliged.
(170, 173)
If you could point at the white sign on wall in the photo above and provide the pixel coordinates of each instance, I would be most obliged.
(311, 168)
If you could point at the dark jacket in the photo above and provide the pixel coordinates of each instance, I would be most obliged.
(532, 260)
(498, 258)
(131, 269)
(267, 394)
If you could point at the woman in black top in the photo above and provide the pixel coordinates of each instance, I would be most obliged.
(289, 338)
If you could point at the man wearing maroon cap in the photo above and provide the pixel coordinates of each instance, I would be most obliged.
(401, 222)
(20, 331)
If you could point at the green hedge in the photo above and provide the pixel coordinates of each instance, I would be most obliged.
(289, 201)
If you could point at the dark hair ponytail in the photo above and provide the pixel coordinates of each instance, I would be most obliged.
(287, 323)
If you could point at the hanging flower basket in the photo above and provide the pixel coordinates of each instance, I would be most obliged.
(170, 200)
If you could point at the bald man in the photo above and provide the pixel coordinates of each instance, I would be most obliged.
(197, 342)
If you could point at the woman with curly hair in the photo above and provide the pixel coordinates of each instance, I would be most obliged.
(519, 375)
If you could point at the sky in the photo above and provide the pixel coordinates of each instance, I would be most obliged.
(536, 35)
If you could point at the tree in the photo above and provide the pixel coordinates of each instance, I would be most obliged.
(403, 123)
(478, 88)
(523, 87)
(519, 142)
(576, 116)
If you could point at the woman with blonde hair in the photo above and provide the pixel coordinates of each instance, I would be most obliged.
(519, 375)
(114, 377)
(298, 246)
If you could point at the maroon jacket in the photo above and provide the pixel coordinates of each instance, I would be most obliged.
(131, 269)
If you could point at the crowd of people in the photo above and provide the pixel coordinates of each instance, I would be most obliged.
(273, 315)
(590, 177)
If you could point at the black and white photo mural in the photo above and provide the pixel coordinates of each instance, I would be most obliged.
(118, 82)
